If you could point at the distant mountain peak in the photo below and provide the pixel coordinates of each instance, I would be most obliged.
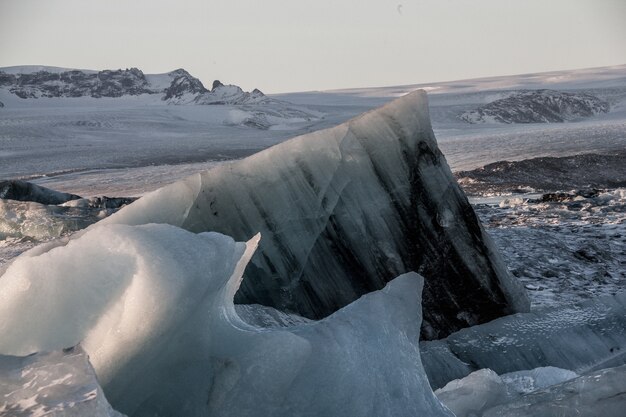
(216, 84)
(183, 84)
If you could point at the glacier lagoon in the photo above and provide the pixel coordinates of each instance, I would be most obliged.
(610, 378)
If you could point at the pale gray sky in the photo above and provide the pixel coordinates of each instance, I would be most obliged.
(297, 45)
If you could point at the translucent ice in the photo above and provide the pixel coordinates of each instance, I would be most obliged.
(57, 384)
(524, 382)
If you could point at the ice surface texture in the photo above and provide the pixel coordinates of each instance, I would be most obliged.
(57, 384)
(601, 393)
(484, 389)
(582, 337)
(153, 306)
(342, 212)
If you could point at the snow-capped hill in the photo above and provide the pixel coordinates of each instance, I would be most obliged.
(538, 106)
(183, 87)
(232, 94)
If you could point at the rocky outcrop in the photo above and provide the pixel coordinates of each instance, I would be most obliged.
(547, 174)
(538, 106)
(76, 83)
(343, 211)
(26, 191)
(183, 84)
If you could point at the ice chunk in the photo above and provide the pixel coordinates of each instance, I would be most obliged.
(343, 211)
(590, 335)
(57, 384)
(24, 219)
(601, 393)
(469, 396)
(524, 382)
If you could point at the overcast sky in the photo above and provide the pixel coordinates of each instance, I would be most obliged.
(298, 45)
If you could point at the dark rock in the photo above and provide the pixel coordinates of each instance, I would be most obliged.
(110, 202)
(26, 191)
(584, 172)
(216, 84)
(7, 79)
(76, 83)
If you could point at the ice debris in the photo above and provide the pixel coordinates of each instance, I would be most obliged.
(56, 384)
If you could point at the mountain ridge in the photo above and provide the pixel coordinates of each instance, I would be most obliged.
(174, 87)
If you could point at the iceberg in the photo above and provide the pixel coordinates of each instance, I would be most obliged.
(343, 211)
(152, 306)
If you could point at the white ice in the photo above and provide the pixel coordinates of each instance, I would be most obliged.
(153, 308)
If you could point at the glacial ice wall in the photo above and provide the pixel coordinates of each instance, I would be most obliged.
(342, 212)
(152, 306)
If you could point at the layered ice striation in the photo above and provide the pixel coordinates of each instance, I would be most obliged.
(56, 384)
(342, 212)
(580, 338)
(153, 307)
